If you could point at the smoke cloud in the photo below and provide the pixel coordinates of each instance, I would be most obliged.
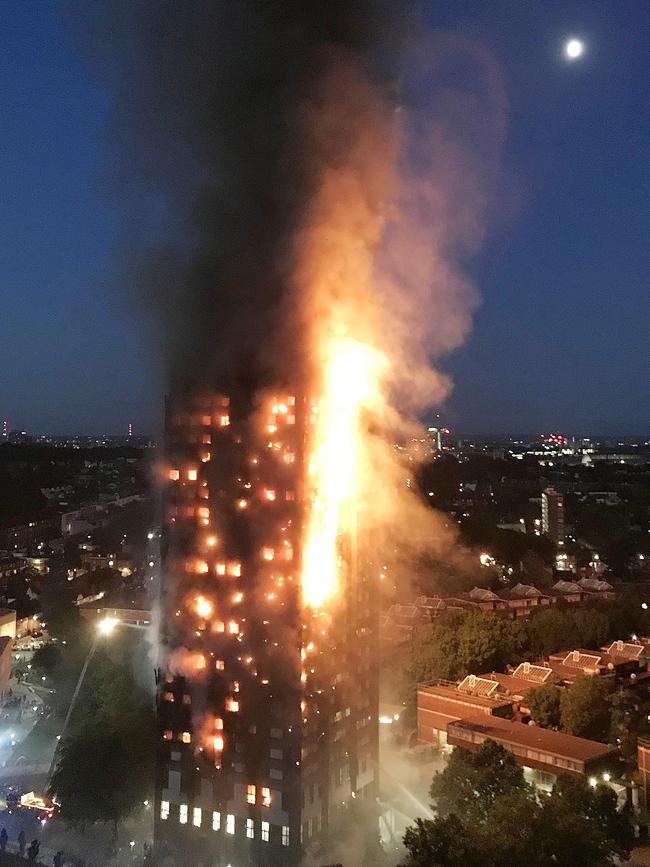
(305, 180)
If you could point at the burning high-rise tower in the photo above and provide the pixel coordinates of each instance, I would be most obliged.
(309, 215)
(268, 708)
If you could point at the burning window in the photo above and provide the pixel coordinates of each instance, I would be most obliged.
(183, 814)
(169, 696)
(250, 829)
(232, 705)
(206, 420)
(216, 821)
(233, 627)
(269, 494)
(219, 664)
(224, 420)
(192, 475)
(266, 796)
(285, 835)
(174, 475)
(187, 698)
(250, 794)
(196, 817)
(230, 824)
(265, 831)
(218, 744)
(218, 724)
(204, 607)
(268, 554)
(220, 568)
(206, 439)
(164, 809)
(234, 569)
(168, 735)
(235, 686)
(205, 457)
(219, 626)
(186, 737)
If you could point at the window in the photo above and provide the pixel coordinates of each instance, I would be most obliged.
(276, 733)
(275, 774)
(174, 475)
(187, 698)
(232, 705)
(230, 824)
(275, 754)
(169, 696)
(285, 835)
(196, 817)
(186, 737)
(192, 475)
(219, 665)
(167, 735)
(266, 796)
(265, 831)
(250, 794)
(216, 821)
(164, 809)
(183, 814)
(250, 829)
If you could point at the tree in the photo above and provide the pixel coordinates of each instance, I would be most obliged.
(105, 767)
(439, 842)
(628, 721)
(584, 709)
(47, 660)
(472, 781)
(60, 612)
(489, 817)
(544, 704)
(584, 827)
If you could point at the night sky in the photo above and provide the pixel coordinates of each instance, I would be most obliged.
(561, 339)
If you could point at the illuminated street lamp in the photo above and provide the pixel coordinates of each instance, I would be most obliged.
(104, 628)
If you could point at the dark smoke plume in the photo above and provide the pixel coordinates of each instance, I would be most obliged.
(213, 165)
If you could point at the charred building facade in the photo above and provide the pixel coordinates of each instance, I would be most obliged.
(267, 707)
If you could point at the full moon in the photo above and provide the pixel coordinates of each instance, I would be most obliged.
(574, 48)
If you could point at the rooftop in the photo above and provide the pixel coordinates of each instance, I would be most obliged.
(533, 737)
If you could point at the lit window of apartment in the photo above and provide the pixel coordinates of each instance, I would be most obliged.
(164, 809)
(230, 824)
(265, 832)
(250, 829)
(183, 814)
(266, 796)
(216, 821)
(196, 817)
(192, 475)
(285, 835)
(186, 737)
(250, 794)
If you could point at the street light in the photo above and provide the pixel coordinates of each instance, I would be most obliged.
(104, 628)
(107, 625)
